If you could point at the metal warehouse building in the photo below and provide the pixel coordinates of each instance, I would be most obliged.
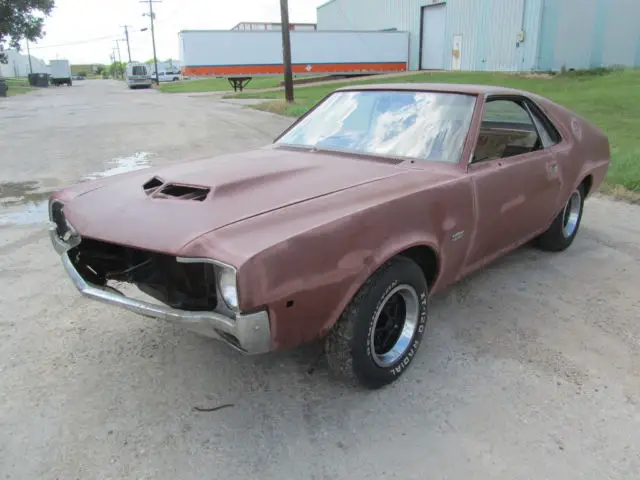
(507, 35)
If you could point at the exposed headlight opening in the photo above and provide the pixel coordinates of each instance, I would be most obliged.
(228, 289)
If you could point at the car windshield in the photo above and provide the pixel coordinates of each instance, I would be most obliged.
(419, 125)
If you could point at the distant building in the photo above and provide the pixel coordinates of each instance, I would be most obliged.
(274, 26)
(89, 68)
(18, 65)
(500, 35)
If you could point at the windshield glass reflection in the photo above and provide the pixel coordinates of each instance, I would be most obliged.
(419, 125)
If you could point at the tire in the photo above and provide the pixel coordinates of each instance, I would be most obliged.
(560, 235)
(354, 348)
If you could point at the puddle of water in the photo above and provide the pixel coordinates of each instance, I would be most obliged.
(33, 214)
(25, 203)
(32, 203)
(137, 161)
(19, 193)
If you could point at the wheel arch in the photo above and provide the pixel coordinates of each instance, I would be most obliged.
(426, 258)
(587, 181)
(424, 253)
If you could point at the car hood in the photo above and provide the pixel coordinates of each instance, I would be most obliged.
(238, 186)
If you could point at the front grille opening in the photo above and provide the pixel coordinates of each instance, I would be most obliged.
(185, 286)
(185, 192)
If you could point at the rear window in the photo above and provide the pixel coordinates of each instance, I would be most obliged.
(139, 70)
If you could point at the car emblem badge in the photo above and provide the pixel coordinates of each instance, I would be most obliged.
(457, 236)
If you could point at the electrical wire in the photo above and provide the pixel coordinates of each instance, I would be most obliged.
(79, 42)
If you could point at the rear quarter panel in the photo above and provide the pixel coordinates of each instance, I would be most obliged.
(583, 152)
(311, 258)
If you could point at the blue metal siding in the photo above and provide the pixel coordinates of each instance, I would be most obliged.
(532, 23)
(489, 28)
(621, 33)
(589, 33)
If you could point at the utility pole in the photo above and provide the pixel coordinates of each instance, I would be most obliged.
(119, 61)
(153, 36)
(126, 36)
(286, 51)
(29, 55)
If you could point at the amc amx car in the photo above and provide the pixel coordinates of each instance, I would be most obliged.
(343, 227)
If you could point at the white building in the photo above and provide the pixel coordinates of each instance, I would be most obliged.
(18, 65)
(500, 35)
(274, 26)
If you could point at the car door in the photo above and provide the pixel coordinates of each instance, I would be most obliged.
(515, 176)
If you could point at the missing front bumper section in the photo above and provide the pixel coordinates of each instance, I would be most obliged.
(248, 333)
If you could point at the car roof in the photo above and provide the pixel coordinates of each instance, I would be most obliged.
(464, 88)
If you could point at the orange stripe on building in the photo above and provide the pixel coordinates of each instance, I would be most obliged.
(249, 70)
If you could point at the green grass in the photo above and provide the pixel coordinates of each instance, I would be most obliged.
(216, 85)
(609, 99)
(18, 86)
(223, 85)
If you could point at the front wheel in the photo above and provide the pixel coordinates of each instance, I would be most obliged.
(379, 333)
(565, 226)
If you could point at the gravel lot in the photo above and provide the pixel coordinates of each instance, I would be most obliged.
(530, 369)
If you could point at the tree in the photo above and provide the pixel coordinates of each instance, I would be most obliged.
(116, 69)
(22, 19)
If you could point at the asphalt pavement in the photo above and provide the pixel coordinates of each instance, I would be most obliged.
(529, 368)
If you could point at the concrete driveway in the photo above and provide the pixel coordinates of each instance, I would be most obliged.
(530, 369)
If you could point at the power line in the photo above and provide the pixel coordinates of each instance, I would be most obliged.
(75, 43)
(79, 42)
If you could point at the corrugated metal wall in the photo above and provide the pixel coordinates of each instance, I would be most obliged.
(490, 33)
(589, 33)
(570, 33)
(489, 28)
(403, 15)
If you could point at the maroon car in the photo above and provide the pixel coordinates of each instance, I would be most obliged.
(342, 229)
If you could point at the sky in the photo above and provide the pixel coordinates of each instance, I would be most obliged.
(85, 31)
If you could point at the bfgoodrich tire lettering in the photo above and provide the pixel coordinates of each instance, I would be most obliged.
(355, 347)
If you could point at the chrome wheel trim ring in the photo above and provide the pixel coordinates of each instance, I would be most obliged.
(407, 329)
(571, 214)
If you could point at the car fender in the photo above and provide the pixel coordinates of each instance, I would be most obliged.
(392, 248)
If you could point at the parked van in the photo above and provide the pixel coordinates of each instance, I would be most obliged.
(138, 75)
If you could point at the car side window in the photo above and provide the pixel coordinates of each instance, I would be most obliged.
(506, 130)
(548, 133)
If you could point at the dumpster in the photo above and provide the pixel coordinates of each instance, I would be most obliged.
(39, 79)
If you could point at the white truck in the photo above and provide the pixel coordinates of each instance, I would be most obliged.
(240, 55)
(60, 72)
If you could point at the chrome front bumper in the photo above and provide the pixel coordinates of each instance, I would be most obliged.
(248, 333)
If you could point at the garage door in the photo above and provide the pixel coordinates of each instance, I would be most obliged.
(433, 23)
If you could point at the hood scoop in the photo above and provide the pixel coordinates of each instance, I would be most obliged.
(156, 188)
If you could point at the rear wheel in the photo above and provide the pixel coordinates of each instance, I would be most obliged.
(380, 331)
(560, 235)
